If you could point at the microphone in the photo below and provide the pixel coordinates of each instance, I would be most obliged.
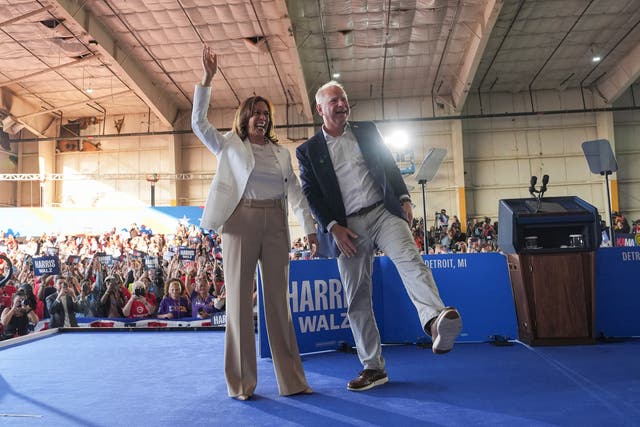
(545, 181)
(532, 186)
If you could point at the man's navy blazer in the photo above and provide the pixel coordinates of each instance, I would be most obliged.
(320, 183)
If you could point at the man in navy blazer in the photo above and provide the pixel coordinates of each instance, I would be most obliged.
(357, 195)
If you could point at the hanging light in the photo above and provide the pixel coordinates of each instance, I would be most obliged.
(594, 56)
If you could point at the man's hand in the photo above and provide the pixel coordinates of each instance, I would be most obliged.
(313, 243)
(408, 210)
(344, 239)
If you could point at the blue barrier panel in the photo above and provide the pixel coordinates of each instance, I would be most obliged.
(477, 285)
(318, 307)
(618, 292)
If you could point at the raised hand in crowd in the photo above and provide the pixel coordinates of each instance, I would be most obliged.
(63, 305)
(113, 299)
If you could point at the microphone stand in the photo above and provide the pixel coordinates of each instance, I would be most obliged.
(425, 239)
(540, 194)
(537, 194)
(612, 237)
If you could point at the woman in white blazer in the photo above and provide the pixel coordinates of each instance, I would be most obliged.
(247, 202)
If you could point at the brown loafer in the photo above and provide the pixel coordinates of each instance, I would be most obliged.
(368, 379)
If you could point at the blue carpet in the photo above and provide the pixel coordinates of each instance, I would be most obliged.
(176, 379)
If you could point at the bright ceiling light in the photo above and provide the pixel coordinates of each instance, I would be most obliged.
(89, 90)
(594, 56)
(336, 75)
(398, 140)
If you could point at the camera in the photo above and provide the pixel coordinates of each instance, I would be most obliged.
(139, 292)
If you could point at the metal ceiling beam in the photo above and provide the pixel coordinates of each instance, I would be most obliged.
(48, 70)
(102, 177)
(75, 104)
(220, 70)
(621, 76)
(273, 61)
(394, 120)
(299, 79)
(132, 72)
(461, 87)
(19, 106)
(384, 56)
(554, 52)
(24, 16)
(495, 55)
(324, 40)
(445, 49)
(141, 43)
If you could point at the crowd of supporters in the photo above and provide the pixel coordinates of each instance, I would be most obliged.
(130, 274)
(445, 235)
(621, 224)
(136, 274)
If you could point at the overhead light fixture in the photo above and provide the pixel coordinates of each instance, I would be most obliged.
(336, 75)
(594, 56)
(87, 87)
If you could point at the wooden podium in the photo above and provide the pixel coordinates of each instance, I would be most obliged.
(554, 297)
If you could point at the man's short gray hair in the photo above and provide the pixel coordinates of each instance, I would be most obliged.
(328, 85)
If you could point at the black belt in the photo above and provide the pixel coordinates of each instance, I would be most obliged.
(366, 209)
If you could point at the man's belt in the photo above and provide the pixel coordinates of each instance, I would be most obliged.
(366, 209)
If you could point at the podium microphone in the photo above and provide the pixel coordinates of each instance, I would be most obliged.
(532, 186)
(545, 181)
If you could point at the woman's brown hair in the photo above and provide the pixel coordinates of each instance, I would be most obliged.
(243, 114)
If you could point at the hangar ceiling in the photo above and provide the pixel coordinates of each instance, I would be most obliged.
(64, 60)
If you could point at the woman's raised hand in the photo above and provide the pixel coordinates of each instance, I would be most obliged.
(209, 65)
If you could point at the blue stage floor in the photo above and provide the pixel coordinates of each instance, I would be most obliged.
(108, 378)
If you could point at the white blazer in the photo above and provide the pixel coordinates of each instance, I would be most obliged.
(235, 164)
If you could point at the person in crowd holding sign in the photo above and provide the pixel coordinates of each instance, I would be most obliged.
(16, 319)
(247, 202)
(174, 305)
(63, 305)
(46, 287)
(361, 202)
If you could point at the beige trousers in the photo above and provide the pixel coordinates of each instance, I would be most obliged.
(257, 232)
